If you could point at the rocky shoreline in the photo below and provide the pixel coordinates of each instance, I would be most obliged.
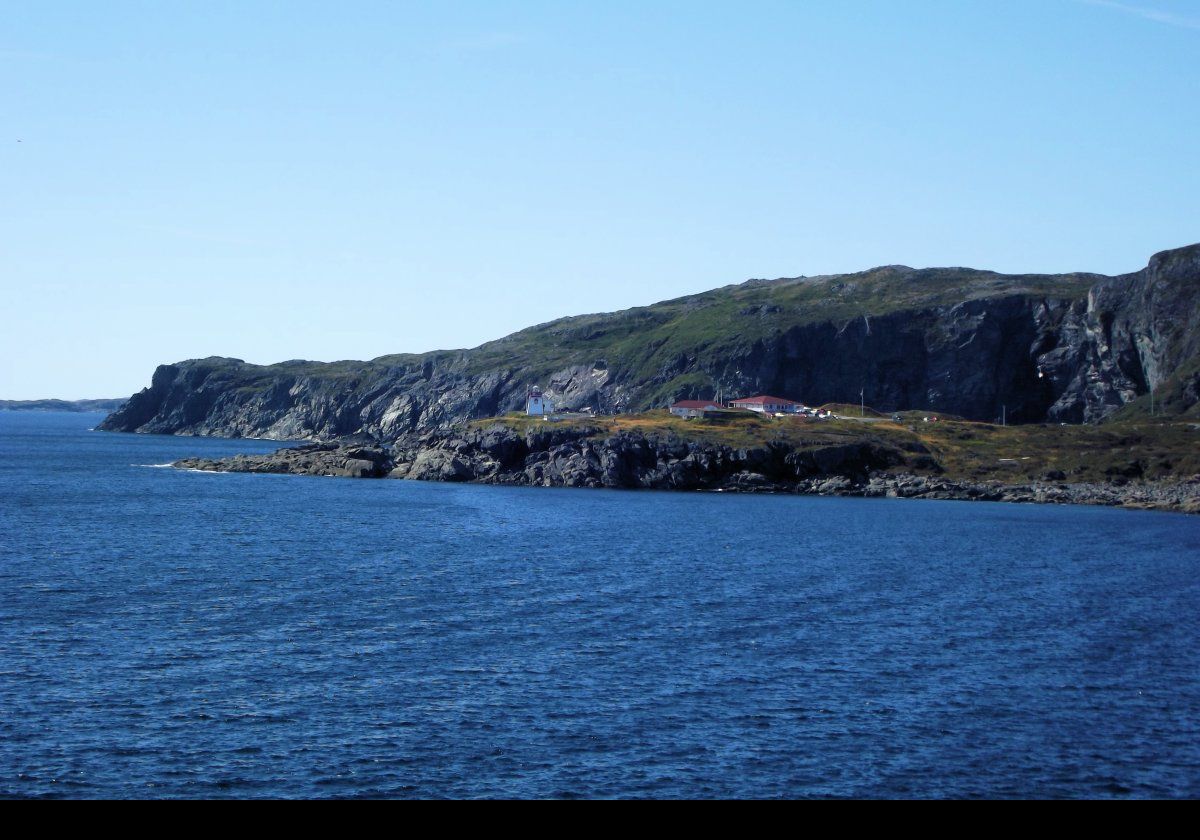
(580, 457)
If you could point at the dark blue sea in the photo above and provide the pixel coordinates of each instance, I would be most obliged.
(178, 634)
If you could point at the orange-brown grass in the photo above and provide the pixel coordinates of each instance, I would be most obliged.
(960, 449)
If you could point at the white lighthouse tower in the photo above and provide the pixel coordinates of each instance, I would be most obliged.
(537, 404)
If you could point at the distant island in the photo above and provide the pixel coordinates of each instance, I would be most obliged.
(62, 405)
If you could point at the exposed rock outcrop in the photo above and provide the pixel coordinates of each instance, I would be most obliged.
(581, 457)
(330, 459)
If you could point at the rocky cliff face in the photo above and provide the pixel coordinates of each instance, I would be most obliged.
(579, 456)
(1131, 334)
(1067, 348)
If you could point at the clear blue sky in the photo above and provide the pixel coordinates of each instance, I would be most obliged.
(343, 180)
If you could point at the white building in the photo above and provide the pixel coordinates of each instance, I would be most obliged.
(537, 404)
(764, 404)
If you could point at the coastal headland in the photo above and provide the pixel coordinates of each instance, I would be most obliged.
(1066, 348)
(1046, 388)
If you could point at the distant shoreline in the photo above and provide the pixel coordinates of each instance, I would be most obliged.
(1163, 496)
(74, 406)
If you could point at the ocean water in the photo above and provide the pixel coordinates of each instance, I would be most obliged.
(174, 634)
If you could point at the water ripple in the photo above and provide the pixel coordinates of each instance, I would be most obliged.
(163, 636)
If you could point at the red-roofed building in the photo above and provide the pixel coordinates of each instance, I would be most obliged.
(694, 408)
(764, 404)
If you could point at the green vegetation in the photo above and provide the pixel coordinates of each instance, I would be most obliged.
(852, 410)
(339, 377)
(955, 448)
(676, 348)
(1079, 453)
(646, 341)
(1170, 399)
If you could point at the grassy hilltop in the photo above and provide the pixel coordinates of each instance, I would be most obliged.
(715, 325)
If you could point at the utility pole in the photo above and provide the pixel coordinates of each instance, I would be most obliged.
(862, 402)
(1004, 415)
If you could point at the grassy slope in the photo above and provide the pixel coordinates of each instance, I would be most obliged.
(639, 343)
(964, 450)
(1169, 399)
(711, 324)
